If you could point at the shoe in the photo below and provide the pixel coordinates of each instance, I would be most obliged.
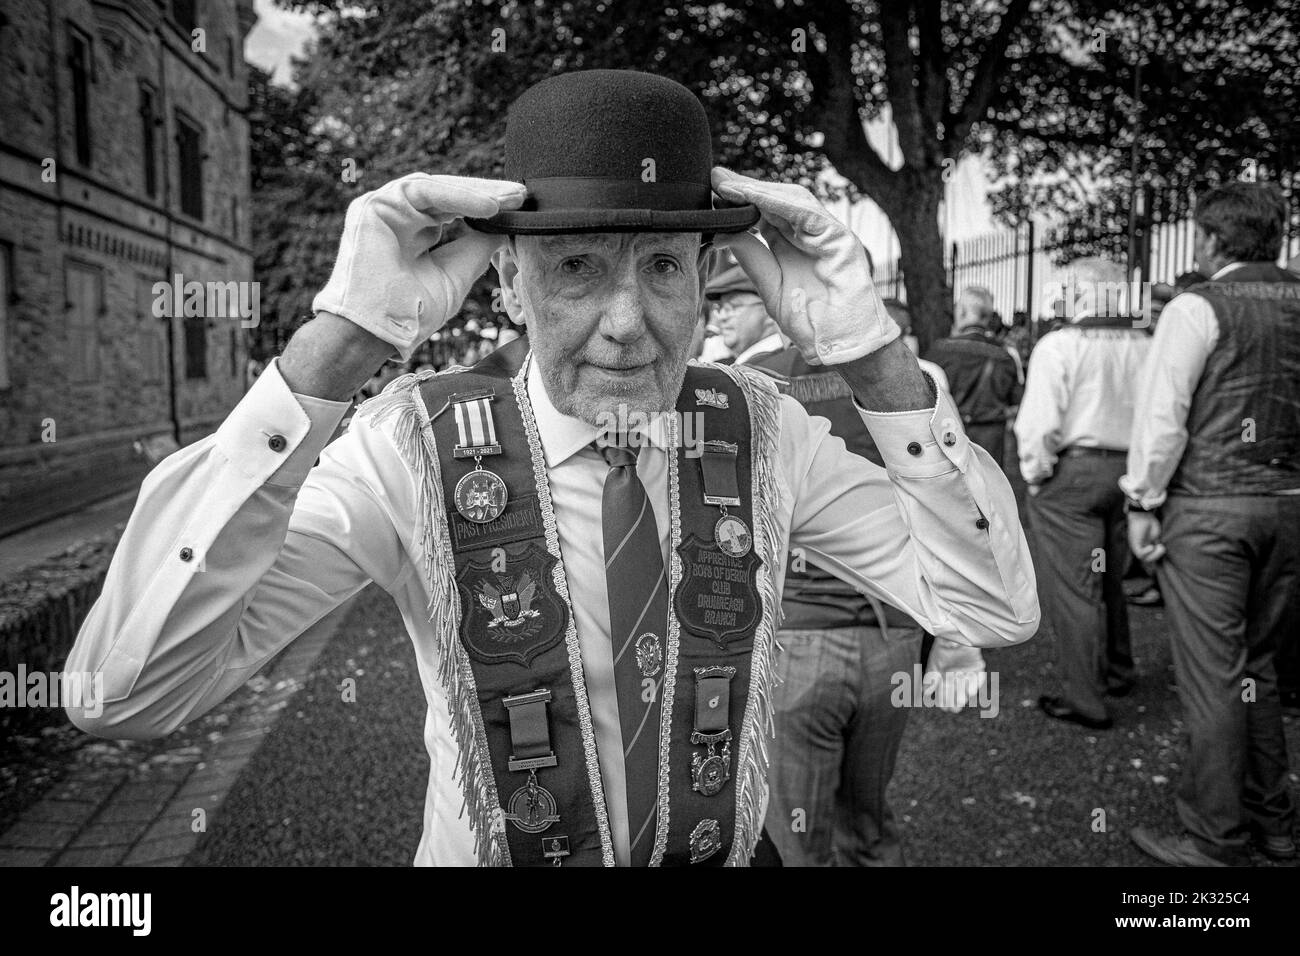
(1149, 597)
(1172, 850)
(1053, 707)
(1275, 847)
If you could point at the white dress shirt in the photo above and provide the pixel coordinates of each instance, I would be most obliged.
(237, 545)
(768, 343)
(1081, 389)
(1185, 336)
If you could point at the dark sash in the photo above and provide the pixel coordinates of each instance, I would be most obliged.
(716, 605)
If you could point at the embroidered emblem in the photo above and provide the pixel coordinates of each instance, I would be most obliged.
(649, 655)
(718, 596)
(511, 613)
(706, 840)
(711, 396)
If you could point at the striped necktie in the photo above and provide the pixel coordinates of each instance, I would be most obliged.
(638, 618)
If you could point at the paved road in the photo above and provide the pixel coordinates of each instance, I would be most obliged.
(342, 783)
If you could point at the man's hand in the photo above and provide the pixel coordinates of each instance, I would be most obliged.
(1034, 489)
(813, 275)
(959, 673)
(401, 272)
(1144, 536)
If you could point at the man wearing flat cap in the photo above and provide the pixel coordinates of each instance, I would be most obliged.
(585, 534)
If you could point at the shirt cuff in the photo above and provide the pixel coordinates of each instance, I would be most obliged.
(276, 434)
(921, 443)
(1149, 499)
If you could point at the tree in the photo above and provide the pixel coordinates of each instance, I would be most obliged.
(413, 84)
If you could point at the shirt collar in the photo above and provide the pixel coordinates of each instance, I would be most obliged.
(563, 436)
(768, 343)
(1226, 269)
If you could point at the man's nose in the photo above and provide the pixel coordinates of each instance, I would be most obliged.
(624, 315)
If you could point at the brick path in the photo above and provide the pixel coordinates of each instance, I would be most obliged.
(154, 813)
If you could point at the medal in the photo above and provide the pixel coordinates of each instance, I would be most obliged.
(649, 655)
(481, 495)
(732, 535)
(706, 840)
(532, 808)
(722, 488)
(711, 770)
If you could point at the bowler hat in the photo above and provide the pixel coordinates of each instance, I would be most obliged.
(612, 151)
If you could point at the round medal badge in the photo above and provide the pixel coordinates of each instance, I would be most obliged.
(732, 536)
(480, 496)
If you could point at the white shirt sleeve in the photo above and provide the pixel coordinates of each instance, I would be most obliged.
(1042, 411)
(935, 533)
(225, 560)
(1185, 336)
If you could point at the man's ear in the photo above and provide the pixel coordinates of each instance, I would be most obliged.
(506, 262)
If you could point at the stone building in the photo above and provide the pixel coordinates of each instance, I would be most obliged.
(124, 163)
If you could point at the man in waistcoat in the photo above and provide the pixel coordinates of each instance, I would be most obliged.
(850, 666)
(1213, 488)
(586, 535)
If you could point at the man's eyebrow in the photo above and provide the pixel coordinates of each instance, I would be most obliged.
(568, 242)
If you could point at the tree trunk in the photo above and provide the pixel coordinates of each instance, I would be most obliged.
(915, 218)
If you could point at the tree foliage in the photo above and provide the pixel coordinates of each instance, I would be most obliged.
(1043, 88)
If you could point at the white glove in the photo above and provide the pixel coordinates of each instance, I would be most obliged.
(958, 670)
(812, 275)
(392, 277)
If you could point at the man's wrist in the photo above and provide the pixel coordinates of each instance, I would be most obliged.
(331, 358)
(889, 380)
(1134, 506)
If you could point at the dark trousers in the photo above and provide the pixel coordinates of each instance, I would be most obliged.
(992, 438)
(1229, 580)
(837, 739)
(1079, 539)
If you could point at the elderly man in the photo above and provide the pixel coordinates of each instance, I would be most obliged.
(1213, 487)
(591, 590)
(983, 377)
(1072, 433)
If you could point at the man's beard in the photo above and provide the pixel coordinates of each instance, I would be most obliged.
(579, 402)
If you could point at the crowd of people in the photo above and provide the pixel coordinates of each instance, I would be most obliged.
(1166, 450)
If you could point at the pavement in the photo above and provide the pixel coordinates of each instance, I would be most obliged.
(133, 803)
(25, 548)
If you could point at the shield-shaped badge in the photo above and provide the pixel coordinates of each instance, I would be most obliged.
(511, 614)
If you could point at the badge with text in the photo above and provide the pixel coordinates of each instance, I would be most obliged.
(718, 594)
(722, 488)
(480, 495)
(509, 606)
(711, 769)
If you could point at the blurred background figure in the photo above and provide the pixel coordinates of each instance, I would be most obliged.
(1213, 483)
(983, 377)
(744, 327)
(903, 316)
(1072, 433)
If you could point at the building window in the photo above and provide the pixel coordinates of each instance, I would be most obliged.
(189, 145)
(79, 62)
(6, 293)
(85, 302)
(185, 15)
(148, 139)
(196, 347)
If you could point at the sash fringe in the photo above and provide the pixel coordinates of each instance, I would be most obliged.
(412, 434)
(752, 760)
